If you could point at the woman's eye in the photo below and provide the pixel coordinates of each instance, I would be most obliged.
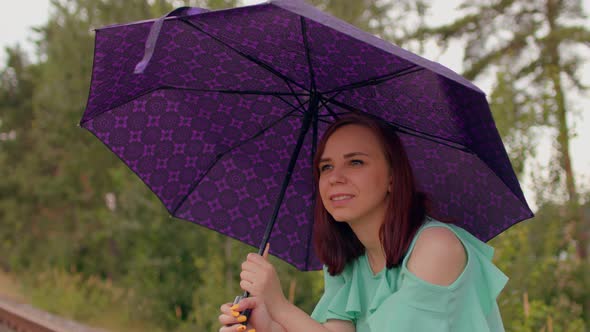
(324, 167)
(356, 162)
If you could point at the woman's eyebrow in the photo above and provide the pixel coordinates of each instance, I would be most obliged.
(354, 154)
(346, 156)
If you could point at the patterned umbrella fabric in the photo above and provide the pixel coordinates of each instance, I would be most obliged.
(211, 109)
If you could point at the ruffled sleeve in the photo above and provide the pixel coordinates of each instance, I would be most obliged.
(468, 304)
(335, 302)
(485, 279)
(413, 308)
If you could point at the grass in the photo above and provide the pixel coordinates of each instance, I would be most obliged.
(10, 288)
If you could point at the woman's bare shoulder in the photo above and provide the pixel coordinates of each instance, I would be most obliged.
(438, 256)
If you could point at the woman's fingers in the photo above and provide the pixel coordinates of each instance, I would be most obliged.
(253, 262)
(229, 322)
(247, 275)
(225, 308)
(231, 316)
(247, 265)
(258, 259)
(246, 303)
(235, 328)
(248, 287)
(256, 263)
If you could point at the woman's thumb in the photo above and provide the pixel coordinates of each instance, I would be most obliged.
(266, 250)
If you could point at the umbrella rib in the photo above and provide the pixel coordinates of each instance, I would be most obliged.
(238, 92)
(324, 121)
(332, 113)
(410, 131)
(249, 57)
(327, 100)
(377, 80)
(307, 53)
(301, 103)
(296, 95)
(220, 155)
(295, 108)
(171, 87)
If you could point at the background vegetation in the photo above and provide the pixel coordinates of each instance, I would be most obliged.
(87, 239)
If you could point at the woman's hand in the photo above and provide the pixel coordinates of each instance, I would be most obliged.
(259, 321)
(260, 279)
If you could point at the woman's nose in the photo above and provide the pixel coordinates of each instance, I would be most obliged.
(336, 176)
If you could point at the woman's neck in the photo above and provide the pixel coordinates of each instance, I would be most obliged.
(368, 234)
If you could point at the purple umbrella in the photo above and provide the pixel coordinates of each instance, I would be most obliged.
(219, 112)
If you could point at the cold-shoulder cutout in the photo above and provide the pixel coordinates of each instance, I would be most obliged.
(438, 256)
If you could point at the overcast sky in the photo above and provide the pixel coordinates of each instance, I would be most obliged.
(17, 18)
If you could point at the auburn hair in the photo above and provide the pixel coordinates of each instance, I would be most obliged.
(335, 243)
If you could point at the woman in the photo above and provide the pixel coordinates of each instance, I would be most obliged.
(387, 265)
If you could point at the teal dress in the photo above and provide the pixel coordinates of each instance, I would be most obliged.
(397, 300)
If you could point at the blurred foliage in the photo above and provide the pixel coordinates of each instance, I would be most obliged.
(84, 232)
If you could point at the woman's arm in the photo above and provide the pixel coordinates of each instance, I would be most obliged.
(289, 318)
(294, 319)
(260, 279)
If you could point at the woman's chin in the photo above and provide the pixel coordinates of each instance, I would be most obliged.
(340, 217)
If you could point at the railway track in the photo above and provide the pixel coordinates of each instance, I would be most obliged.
(24, 318)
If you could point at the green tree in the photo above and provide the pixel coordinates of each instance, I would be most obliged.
(545, 282)
(17, 78)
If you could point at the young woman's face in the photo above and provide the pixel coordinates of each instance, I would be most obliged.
(354, 176)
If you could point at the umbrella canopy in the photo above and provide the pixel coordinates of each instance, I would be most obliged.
(219, 113)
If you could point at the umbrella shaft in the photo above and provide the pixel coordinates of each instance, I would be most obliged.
(307, 117)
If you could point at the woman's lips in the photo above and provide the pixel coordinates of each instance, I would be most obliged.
(340, 199)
